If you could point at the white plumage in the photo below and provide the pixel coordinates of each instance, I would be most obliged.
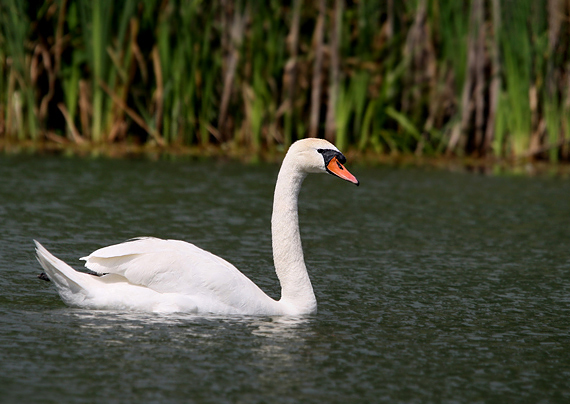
(150, 274)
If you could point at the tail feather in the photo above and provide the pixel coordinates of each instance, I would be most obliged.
(112, 291)
(68, 281)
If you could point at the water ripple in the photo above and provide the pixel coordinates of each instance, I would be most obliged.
(432, 287)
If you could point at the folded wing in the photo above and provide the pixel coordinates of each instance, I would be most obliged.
(173, 266)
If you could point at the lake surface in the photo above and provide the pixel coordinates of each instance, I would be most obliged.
(432, 286)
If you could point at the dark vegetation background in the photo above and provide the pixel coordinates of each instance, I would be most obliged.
(426, 77)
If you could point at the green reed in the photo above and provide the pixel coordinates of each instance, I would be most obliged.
(188, 72)
(518, 64)
(18, 99)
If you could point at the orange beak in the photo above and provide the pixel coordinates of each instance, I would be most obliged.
(334, 167)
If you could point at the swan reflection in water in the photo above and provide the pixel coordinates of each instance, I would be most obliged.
(204, 326)
(281, 326)
(189, 341)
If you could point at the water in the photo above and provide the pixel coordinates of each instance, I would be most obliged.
(432, 287)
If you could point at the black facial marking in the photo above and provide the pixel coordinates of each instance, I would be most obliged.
(328, 155)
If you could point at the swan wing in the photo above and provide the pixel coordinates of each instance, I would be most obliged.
(112, 259)
(173, 266)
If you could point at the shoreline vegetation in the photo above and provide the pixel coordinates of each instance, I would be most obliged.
(483, 83)
(245, 155)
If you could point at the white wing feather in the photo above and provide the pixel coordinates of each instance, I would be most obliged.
(173, 266)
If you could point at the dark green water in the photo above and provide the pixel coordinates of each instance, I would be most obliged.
(432, 287)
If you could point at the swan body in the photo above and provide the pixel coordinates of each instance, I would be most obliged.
(151, 274)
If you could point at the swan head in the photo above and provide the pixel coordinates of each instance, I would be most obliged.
(320, 156)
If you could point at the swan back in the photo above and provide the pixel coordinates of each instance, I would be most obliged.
(174, 266)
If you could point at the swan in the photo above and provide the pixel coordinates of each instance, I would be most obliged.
(155, 275)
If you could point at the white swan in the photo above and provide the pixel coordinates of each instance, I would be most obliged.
(150, 274)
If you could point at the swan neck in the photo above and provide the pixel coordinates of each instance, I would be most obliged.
(296, 288)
